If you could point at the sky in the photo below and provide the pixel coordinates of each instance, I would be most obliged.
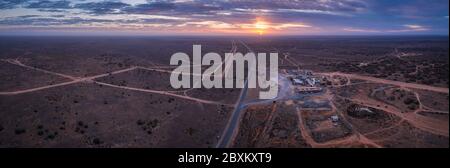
(224, 17)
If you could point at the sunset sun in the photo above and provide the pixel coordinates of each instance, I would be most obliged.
(261, 26)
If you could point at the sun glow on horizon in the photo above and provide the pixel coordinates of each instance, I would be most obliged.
(261, 26)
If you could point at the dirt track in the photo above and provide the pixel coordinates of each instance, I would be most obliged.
(390, 82)
(91, 79)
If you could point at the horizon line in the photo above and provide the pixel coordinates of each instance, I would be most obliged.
(219, 35)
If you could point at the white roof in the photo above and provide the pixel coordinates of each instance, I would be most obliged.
(334, 117)
(298, 81)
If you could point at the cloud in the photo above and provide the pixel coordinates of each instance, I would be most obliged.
(175, 8)
(10, 4)
(271, 26)
(406, 28)
(199, 8)
(46, 4)
(49, 21)
(150, 7)
(28, 16)
(315, 11)
(209, 8)
(286, 26)
(360, 30)
(63, 20)
(104, 7)
(410, 28)
(320, 5)
(51, 10)
(413, 27)
(209, 24)
(352, 16)
(416, 9)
